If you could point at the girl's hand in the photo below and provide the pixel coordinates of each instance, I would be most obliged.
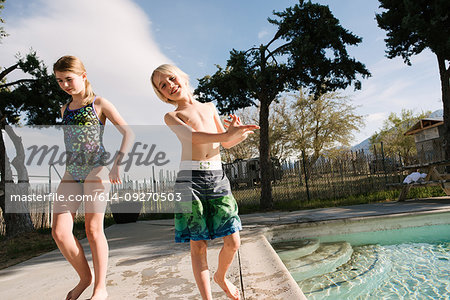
(114, 175)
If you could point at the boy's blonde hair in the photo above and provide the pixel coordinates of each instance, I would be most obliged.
(73, 64)
(168, 69)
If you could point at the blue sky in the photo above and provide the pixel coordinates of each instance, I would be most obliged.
(122, 41)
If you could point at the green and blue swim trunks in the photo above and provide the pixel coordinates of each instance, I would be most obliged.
(212, 210)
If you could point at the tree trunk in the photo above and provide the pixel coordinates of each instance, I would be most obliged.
(19, 220)
(445, 87)
(2, 176)
(264, 156)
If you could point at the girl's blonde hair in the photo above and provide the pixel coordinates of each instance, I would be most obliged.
(73, 64)
(168, 70)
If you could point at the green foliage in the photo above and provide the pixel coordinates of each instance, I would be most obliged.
(299, 122)
(38, 98)
(316, 45)
(296, 203)
(395, 142)
(322, 124)
(308, 50)
(235, 81)
(279, 134)
(413, 25)
(312, 54)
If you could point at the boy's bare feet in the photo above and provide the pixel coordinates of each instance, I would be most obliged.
(79, 289)
(230, 289)
(100, 294)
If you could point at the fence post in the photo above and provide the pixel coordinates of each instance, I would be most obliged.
(306, 176)
(384, 164)
(154, 180)
(49, 221)
(400, 166)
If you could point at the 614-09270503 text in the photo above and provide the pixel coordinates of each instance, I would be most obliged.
(148, 196)
(131, 197)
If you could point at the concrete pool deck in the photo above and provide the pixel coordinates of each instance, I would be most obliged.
(145, 263)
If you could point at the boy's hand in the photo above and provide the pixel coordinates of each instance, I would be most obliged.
(228, 121)
(238, 130)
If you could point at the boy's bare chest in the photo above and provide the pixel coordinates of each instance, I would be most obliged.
(198, 119)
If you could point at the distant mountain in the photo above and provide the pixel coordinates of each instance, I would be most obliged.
(365, 145)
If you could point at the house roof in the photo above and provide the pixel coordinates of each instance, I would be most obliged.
(425, 124)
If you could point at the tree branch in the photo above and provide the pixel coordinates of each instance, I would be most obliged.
(8, 70)
(16, 82)
(271, 55)
(276, 36)
(276, 50)
(253, 48)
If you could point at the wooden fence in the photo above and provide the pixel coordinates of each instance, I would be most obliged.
(353, 173)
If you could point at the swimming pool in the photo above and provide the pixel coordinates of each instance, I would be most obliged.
(402, 260)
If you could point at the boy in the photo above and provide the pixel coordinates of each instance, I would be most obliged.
(214, 209)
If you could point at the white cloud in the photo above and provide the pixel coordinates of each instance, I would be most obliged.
(262, 34)
(376, 117)
(114, 41)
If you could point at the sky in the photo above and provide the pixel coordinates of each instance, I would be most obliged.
(122, 41)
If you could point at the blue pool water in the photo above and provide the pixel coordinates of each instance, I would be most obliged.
(408, 263)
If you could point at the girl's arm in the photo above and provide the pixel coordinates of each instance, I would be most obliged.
(111, 113)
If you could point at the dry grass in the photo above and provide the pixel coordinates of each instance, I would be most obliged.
(28, 245)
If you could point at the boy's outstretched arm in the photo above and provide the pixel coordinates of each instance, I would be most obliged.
(187, 133)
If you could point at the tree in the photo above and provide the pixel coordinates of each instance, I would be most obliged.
(322, 124)
(280, 131)
(392, 134)
(414, 25)
(281, 145)
(29, 101)
(35, 100)
(308, 49)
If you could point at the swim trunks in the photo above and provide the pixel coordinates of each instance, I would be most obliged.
(83, 140)
(214, 211)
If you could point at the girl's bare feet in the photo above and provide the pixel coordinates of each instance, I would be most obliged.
(79, 289)
(230, 289)
(100, 294)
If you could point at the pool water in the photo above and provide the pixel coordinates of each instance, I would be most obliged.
(408, 263)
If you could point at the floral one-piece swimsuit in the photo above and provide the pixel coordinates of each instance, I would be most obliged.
(83, 138)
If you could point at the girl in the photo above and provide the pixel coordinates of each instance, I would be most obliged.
(201, 178)
(84, 117)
